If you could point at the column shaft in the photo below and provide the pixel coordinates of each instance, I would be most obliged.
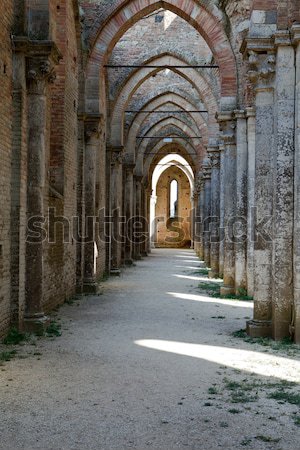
(214, 155)
(250, 199)
(116, 190)
(262, 75)
(241, 204)
(296, 246)
(282, 293)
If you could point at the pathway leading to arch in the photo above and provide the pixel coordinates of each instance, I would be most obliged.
(148, 364)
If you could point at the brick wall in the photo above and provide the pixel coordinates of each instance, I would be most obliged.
(60, 262)
(5, 158)
(164, 234)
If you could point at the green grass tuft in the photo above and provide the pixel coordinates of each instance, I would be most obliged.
(14, 337)
(53, 330)
(287, 397)
(7, 356)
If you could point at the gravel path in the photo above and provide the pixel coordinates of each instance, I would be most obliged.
(150, 364)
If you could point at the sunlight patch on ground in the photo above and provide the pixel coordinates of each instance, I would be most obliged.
(250, 361)
(191, 277)
(205, 299)
(187, 256)
(190, 267)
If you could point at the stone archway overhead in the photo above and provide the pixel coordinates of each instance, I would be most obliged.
(175, 99)
(136, 80)
(200, 17)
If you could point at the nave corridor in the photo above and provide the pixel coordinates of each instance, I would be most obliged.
(150, 363)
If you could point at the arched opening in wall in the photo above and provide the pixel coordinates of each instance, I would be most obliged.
(171, 203)
(174, 197)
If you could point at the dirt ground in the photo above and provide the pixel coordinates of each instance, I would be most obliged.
(153, 362)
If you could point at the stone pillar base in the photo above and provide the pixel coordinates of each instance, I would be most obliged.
(213, 274)
(137, 257)
(259, 328)
(129, 262)
(144, 254)
(79, 289)
(36, 324)
(115, 272)
(91, 288)
(227, 290)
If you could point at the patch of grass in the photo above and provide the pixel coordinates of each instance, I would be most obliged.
(210, 287)
(7, 356)
(267, 439)
(234, 411)
(245, 298)
(53, 330)
(284, 344)
(14, 337)
(241, 397)
(212, 391)
(246, 442)
(200, 272)
(297, 421)
(218, 317)
(286, 397)
(224, 425)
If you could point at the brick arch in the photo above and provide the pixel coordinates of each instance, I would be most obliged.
(136, 79)
(174, 121)
(155, 104)
(177, 130)
(187, 153)
(196, 14)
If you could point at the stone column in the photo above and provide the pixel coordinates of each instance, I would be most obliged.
(129, 212)
(228, 128)
(116, 192)
(39, 74)
(153, 201)
(202, 213)
(147, 218)
(206, 167)
(138, 212)
(296, 246)
(241, 203)
(222, 212)
(251, 120)
(144, 218)
(92, 130)
(282, 293)
(262, 70)
(197, 223)
(214, 155)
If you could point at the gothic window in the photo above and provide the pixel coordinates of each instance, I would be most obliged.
(173, 199)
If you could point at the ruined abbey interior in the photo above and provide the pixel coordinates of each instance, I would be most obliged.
(134, 128)
(105, 103)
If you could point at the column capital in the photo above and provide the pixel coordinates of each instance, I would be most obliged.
(295, 30)
(93, 125)
(261, 54)
(227, 124)
(199, 182)
(206, 169)
(240, 114)
(138, 178)
(214, 156)
(250, 112)
(129, 161)
(282, 38)
(41, 59)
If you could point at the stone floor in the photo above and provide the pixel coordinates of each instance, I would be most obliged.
(151, 363)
